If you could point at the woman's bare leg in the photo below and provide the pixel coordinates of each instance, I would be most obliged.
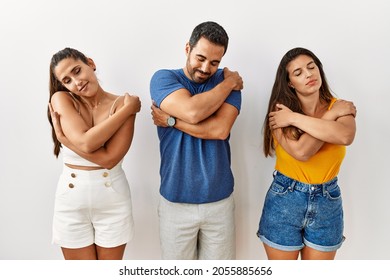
(85, 253)
(115, 253)
(275, 254)
(312, 254)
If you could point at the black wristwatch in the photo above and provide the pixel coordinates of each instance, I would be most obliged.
(171, 121)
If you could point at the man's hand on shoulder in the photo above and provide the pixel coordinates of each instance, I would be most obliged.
(234, 78)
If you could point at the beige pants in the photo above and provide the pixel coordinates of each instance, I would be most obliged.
(197, 231)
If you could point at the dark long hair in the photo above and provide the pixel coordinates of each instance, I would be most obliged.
(55, 85)
(282, 93)
(212, 31)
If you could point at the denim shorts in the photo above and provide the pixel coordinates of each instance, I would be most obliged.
(297, 214)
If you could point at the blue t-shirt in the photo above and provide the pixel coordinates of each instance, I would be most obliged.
(192, 170)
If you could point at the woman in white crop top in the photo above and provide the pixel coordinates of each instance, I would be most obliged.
(94, 130)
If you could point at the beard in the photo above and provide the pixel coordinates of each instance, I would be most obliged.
(196, 75)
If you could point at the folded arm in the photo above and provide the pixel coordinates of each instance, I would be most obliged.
(114, 150)
(196, 108)
(87, 139)
(337, 126)
(106, 156)
(302, 149)
(216, 127)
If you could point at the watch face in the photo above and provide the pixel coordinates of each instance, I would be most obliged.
(171, 121)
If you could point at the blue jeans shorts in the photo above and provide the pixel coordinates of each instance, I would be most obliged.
(297, 214)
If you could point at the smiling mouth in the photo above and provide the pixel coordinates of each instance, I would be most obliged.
(203, 74)
(82, 88)
(203, 77)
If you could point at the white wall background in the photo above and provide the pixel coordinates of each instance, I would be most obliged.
(129, 40)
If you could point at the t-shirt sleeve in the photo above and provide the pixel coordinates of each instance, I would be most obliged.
(163, 83)
(234, 97)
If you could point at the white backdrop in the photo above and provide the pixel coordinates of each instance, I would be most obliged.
(128, 41)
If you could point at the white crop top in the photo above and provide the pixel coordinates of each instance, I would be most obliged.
(70, 157)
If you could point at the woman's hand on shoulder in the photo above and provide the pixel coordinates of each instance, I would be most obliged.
(132, 103)
(343, 108)
(281, 117)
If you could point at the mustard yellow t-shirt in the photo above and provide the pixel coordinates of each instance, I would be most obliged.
(320, 168)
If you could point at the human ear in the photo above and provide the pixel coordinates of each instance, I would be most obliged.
(91, 63)
(188, 49)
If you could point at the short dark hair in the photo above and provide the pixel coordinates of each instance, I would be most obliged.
(212, 31)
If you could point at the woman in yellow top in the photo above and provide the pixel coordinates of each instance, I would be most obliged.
(307, 129)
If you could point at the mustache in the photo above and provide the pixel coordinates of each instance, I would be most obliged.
(204, 73)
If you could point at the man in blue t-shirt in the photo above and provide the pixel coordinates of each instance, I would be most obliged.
(194, 109)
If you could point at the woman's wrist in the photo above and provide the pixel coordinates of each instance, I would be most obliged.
(330, 115)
